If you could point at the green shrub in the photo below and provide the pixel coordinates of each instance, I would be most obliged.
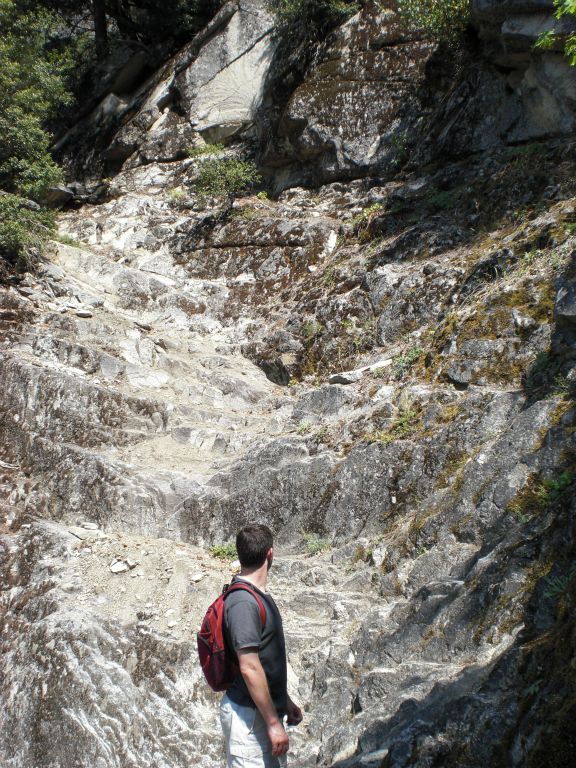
(539, 494)
(547, 39)
(205, 149)
(227, 177)
(32, 87)
(403, 363)
(405, 425)
(315, 544)
(224, 551)
(313, 17)
(23, 230)
(442, 20)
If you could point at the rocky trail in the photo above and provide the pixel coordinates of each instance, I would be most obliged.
(376, 358)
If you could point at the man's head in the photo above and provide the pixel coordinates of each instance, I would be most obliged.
(253, 543)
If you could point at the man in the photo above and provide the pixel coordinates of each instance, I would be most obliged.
(254, 706)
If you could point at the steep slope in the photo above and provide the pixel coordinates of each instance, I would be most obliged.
(418, 471)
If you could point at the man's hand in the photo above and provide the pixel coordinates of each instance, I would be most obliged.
(255, 678)
(294, 713)
(278, 738)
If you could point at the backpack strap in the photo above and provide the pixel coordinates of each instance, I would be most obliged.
(254, 594)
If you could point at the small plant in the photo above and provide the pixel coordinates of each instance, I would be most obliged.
(263, 195)
(67, 240)
(547, 39)
(403, 363)
(534, 689)
(539, 494)
(228, 178)
(366, 214)
(329, 277)
(400, 143)
(304, 428)
(560, 386)
(315, 544)
(443, 20)
(321, 435)
(246, 213)
(201, 150)
(378, 373)
(224, 551)
(23, 230)
(405, 425)
(443, 200)
(310, 329)
(556, 586)
(176, 194)
(313, 18)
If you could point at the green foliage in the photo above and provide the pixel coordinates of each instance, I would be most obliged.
(556, 586)
(443, 20)
(310, 329)
(403, 363)
(67, 240)
(32, 86)
(547, 40)
(228, 177)
(315, 544)
(176, 194)
(540, 494)
(366, 214)
(406, 424)
(205, 149)
(224, 551)
(313, 17)
(443, 200)
(23, 230)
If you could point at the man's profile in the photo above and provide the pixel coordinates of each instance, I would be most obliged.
(253, 707)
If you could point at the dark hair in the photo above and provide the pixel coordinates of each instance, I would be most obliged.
(252, 544)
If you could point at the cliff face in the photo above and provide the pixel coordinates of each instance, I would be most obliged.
(413, 282)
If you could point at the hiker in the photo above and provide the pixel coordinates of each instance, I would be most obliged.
(255, 704)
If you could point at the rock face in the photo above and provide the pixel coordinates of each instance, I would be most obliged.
(382, 369)
(357, 105)
(542, 86)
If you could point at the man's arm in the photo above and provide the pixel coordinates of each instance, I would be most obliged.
(255, 679)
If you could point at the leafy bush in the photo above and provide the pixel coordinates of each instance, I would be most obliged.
(547, 39)
(403, 363)
(315, 544)
(443, 20)
(228, 177)
(204, 149)
(314, 17)
(224, 551)
(31, 88)
(23, 230)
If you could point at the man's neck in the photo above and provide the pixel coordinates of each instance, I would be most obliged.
(256, 576)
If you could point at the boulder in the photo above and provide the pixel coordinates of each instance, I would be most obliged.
(371, 72)
(222, 88)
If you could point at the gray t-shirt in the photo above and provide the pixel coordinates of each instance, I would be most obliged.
(244, 630)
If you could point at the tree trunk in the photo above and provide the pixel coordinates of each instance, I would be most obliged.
(100, 29)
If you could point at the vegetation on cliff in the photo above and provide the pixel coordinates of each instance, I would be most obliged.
(32, 87)
(314, 17)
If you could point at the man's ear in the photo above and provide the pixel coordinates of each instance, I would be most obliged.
(270, 556)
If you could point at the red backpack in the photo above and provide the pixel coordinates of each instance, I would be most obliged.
(218, 662)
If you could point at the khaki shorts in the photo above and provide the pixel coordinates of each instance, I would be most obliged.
(247, 743)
